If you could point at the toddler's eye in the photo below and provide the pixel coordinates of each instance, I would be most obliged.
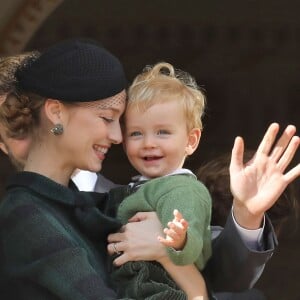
(135, 133)
(163, 132)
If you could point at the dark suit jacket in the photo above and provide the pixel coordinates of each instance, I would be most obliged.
(233, 266)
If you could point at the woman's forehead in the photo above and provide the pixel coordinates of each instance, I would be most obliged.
(110, 102)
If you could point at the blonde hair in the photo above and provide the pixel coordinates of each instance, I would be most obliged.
(162, 82)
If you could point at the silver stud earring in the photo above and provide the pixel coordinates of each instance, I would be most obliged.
(58, 129)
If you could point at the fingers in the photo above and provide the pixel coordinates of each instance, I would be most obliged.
(115, 248)
(141, 216)
(115, 237)
(118, 248)
(184, 224)
(122, 259)
(177, 215)
(179, 224)
(175, 236)
(292, 174)
(288, 154)
(176, 233)
(283, 151)
(236, 163)
(166, 242)
(283, 142)
(268, 140)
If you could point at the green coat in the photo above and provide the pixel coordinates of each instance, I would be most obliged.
(53, 242)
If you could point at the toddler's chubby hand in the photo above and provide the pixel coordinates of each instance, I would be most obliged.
(176, 232)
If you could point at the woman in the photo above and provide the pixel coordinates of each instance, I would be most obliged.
(43, 248)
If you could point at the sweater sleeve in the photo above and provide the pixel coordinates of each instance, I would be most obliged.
(192, 199)
(40, 255)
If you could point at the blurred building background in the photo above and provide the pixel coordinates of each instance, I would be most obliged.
(245, 54)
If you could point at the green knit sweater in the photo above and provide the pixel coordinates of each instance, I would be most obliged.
(162, 195)
(185, 193)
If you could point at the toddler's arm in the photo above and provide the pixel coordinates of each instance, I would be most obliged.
(188, 278)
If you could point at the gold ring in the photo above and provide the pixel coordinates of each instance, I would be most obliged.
(115, 249)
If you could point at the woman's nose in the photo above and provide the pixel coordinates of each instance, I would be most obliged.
(115, 134)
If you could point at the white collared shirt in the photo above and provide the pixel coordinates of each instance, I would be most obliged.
(85, 180)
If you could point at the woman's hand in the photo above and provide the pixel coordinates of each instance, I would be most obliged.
(138, 239)
(257, 185)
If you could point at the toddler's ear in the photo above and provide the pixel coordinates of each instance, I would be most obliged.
(193, 141)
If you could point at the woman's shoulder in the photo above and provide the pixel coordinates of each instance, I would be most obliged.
(15, 197)
(21, 204)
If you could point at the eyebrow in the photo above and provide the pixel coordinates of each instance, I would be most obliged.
(110, 108)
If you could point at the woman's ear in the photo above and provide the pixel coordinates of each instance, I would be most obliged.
(53, 110)
(193, 141)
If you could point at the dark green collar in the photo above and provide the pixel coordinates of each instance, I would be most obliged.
(49, 189)
(93, 211)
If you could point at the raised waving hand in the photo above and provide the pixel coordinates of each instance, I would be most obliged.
(257, 184)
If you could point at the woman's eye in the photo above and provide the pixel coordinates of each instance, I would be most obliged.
(108, 120)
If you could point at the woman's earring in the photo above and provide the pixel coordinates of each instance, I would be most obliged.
(58, 129)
